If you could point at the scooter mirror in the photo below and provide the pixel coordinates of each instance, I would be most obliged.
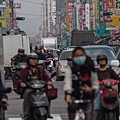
(8, 90)
(115, 63)
(53, 74)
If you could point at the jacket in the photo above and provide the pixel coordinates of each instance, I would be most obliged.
(109, 73)
(77, 76)
(24, 73)
(19, 59)
(41, 56)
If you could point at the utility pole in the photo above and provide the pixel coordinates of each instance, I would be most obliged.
(1, 57)
(12, 13)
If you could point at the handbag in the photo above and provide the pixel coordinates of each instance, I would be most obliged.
(52, 93)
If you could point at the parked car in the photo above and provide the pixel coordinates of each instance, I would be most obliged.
(93, 51)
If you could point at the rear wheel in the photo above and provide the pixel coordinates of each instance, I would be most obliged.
(111, 116)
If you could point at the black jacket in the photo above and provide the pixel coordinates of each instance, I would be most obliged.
(18, 59)
(41, 56)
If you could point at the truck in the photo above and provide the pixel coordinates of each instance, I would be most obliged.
(49, 42)
(82, 37)
(11, 44)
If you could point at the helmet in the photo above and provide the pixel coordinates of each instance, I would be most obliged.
(38, 47)
(21, 50)
(33, 56)
(102, 57)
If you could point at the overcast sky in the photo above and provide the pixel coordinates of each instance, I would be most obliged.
(33, 20)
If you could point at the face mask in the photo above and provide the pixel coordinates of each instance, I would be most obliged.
(80, 60)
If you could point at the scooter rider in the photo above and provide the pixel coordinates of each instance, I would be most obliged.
(80, 83)
(103, 72)
(39, 52)
(20, 57)
(32, 72)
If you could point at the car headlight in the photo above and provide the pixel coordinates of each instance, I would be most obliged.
(62, 66)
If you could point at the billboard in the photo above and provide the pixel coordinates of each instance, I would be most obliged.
(82, 17)
(87, 15)
(108, 6)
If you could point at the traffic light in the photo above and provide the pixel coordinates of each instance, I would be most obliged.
(107, 13)
(20, 18)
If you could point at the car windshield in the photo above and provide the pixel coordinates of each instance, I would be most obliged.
(92, 52)
(65, 55)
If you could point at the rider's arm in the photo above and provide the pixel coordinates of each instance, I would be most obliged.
(94, 80)
(114, 75)
(68, 81)
(2, 93)
(22, 75)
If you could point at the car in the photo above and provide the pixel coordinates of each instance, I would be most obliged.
(93, 51)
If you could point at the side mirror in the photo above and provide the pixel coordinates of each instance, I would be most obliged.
(115, 63)
(12, 59)
(69, 59)
(56, 59)
(53, 74)
(8, 90)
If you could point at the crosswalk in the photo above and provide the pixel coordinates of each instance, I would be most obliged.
(55, 117)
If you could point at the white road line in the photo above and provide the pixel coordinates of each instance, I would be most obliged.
(55, 117)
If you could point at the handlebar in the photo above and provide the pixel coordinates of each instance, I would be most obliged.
(111, 81)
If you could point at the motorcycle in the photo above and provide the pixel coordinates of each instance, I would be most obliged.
(3, 108)
(49, 64)
(109, 100)
(18, 68)
(38, 100)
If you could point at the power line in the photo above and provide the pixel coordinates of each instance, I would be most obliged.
(31, 2)
(29, 14)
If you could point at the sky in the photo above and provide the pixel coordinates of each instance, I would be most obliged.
(31, 10)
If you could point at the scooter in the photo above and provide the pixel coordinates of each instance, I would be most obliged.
(50, 64)
(38, 100)
(109, 100)
(3, 108)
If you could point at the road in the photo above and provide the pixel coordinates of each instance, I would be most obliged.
(58, 106)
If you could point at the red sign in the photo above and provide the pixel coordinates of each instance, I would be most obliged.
(82, 18)
(70, 9)
(108, 6)
(17, 5)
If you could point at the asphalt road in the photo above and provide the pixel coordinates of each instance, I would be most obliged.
(58, 106)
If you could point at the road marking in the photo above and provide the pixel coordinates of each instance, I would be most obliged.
(55, 117)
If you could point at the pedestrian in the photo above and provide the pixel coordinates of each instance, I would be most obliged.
(81, 82)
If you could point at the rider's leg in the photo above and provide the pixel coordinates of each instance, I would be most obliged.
(26, 105)
(96, 114)
(88, 109)
(72, 108)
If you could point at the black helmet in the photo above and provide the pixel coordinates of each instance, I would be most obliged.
(102, 57)
(21, 50)
(33, 56)
(38, 47)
